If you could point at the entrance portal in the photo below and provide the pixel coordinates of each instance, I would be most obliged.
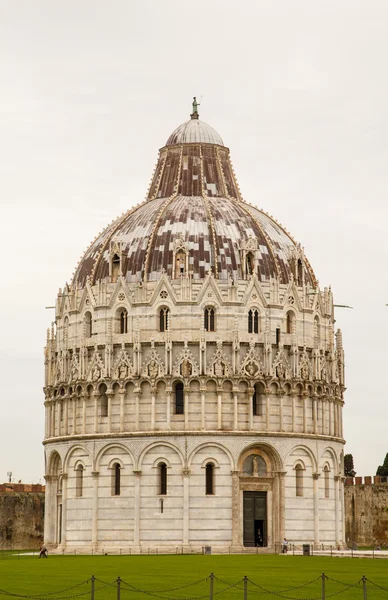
(255, 518)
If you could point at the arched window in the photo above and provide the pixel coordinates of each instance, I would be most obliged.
(123, 321)
(163, 319)
(209, 479)
(115, 267)
(162, 479)
(179, 398)
(103, 401)
(253, 321)
(79, 481)
(116, 475)
(88, 324)
(257, 401)
(326, 474)
(290, 321)
(299, 480)
(209, 319)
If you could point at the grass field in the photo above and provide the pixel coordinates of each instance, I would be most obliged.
(30, 576)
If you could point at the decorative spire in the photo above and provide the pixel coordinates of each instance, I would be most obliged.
(195, 114)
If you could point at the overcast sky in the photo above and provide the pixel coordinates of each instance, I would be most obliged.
(90, 90)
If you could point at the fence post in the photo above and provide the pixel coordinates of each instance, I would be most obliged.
(364, 586)
(211, 586)
(92, 580)
(245, 587)
(118, 587)
(323, 586)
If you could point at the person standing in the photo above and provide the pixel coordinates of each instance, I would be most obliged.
(285, 546)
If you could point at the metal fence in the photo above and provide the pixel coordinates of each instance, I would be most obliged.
(319, 588)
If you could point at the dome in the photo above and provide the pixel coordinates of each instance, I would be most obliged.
(194, 131)
(194, 200)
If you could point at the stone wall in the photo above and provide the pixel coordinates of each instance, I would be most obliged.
(366, 510)
(21, 519)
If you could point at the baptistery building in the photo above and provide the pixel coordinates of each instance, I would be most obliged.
(194, 379)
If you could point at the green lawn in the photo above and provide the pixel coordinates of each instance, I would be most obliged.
(31, 576)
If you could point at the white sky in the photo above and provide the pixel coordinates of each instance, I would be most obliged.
(89, 90)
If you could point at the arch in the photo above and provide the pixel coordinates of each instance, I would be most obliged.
(249, 466)
(209, 315)
(164, 318)
(159, 443)
(212, 460)
(266, 451)
(335, 459)
(70, 452)
(211, 445)
(79, 478)
(326, 480)
(299, 462)
(258, 399)
(111, 446)
(54, 463)
(160, 459)
(308, 451)
(103, 399)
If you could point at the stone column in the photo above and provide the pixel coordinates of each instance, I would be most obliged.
(314, 401)
(219, 408)
(136, 509)
(137, 409)
(64, 509)
(168, 408)
(122, 398)
(342, 498)
(304, 413)
(335, 419)
(293, 400)
(316, 477)
(281, 396)
(235, 409)
(95, 475)
(267, 412)
(279, 507)
(50, 515)
(337, 509)
(84, 399)
(235, 509)
(109, 426)
(250, 393)
(46, 419)
(153, 392)
(52, 428)
(203, 415)
(66, 419)
(331, 417)
(186, 406)
(95, 395)
(186, 505)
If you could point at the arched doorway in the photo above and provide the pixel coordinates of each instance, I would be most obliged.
(259, 498)
(53, 508)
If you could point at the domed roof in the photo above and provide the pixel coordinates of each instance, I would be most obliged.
(194, 205)
(194, 131)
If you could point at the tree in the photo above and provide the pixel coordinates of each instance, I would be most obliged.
(349, 465)
(383, 469)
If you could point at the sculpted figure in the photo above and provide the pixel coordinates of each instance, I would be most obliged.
(96, 373)
(255, 465)
(123, 371)
(280, 371)
(153, 369)
(186, 368)
(304, 371)
(251, 369)
(219, 369)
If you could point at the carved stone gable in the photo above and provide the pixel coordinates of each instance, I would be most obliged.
(219, 364)
(251, 365)
(123, 367)
(185, 365)
(96, 367)
(280, 366)
(153, 366)
(305, 371)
